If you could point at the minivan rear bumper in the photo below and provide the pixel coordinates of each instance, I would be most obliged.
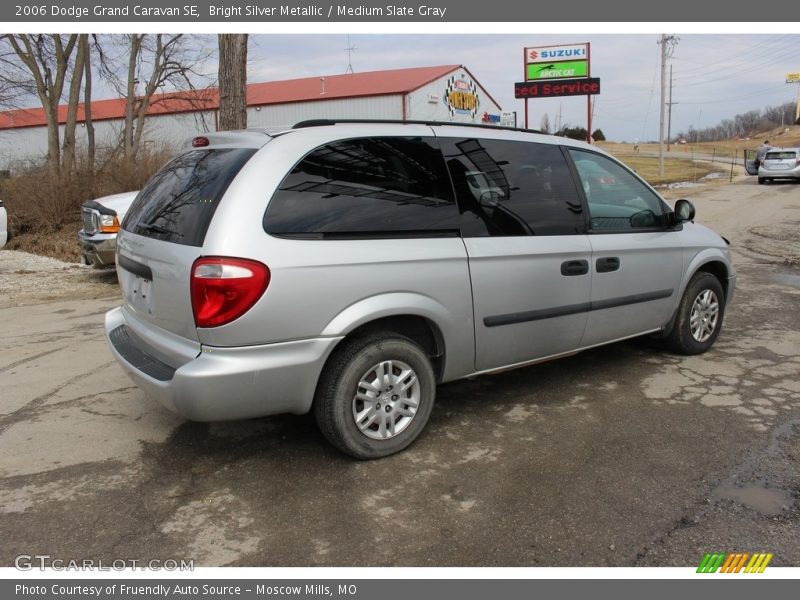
(225, 384)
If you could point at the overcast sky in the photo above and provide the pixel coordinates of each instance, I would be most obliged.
(714, 76)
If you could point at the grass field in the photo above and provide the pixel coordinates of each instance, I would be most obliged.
(675, 169)
(722, 153)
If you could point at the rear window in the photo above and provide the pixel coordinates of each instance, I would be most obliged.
(177, 204)
(368, 187)
(781, 155)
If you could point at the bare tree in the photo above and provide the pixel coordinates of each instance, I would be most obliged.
(147, 69)
(16, 84)
(131, 100)
(544, 125)
(232, 81)
(87, 114)
(68, 154)
(159, 62)
(46, 59)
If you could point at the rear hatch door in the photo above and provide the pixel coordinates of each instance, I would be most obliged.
(780, 160)
(163, 232)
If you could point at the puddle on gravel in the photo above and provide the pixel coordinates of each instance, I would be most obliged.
(767, 501)
(680, 185)
(785, 278)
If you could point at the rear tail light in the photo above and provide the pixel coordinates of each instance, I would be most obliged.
(200, 142)
(223, 288)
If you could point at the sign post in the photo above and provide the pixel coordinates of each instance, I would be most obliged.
(589, 98)
(561, 70)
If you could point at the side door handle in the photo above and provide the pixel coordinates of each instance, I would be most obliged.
(607, 264)
(575, 267)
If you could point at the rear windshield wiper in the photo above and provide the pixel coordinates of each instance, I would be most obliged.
(158, 229)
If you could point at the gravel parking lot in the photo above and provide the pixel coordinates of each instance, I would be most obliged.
(625, 455)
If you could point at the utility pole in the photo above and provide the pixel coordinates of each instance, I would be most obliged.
(666, 40)
(558, 127)
(669, 112)
(797, 111)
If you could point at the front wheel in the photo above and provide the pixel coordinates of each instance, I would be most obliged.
(375, 395)
(699, 317)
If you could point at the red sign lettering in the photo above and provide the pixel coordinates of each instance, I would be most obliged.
(589, 86)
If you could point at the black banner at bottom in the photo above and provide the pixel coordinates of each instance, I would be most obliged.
(395, 589)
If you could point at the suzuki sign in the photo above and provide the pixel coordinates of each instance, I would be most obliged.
(545, 54)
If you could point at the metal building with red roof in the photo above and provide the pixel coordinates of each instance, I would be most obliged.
(441, 93)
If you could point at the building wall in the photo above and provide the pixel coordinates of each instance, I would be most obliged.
(286, 115)
(20, 148)
(430, 102)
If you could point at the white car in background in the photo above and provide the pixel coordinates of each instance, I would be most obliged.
(100, 220)
(3, 225)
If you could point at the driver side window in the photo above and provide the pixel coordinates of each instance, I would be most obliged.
(617, 200)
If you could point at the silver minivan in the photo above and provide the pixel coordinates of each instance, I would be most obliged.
(347, 268)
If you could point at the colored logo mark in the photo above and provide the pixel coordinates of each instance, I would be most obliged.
(734, 562)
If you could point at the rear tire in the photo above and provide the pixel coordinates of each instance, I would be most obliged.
(699, 317)
(375, 395)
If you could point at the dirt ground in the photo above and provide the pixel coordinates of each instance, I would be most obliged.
(621, 456)
(31, 279)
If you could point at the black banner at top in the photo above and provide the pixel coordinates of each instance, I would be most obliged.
(453, 11)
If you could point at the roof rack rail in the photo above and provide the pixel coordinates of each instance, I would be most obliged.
(325, 122)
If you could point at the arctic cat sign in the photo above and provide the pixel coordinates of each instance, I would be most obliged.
(556, 70)
(551, 89)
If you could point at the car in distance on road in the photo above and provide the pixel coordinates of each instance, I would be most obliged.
(100, 220)
(780, 163)
(3, 225)
(347, 268)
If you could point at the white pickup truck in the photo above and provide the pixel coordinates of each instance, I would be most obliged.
(100, 220)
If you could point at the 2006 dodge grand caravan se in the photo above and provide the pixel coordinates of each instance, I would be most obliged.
(347, 268)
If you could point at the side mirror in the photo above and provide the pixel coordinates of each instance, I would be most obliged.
(684, 210)
(643, 218)
(490, 199)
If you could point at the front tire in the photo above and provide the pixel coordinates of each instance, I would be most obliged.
(761, 181)
(375, 395)
(699, 317)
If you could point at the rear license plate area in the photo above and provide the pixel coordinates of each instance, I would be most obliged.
(137, 291)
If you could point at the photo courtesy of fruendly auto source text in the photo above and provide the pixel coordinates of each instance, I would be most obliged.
(361, 300)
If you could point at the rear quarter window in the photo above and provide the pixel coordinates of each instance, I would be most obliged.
(178, 203)
(366, 187)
